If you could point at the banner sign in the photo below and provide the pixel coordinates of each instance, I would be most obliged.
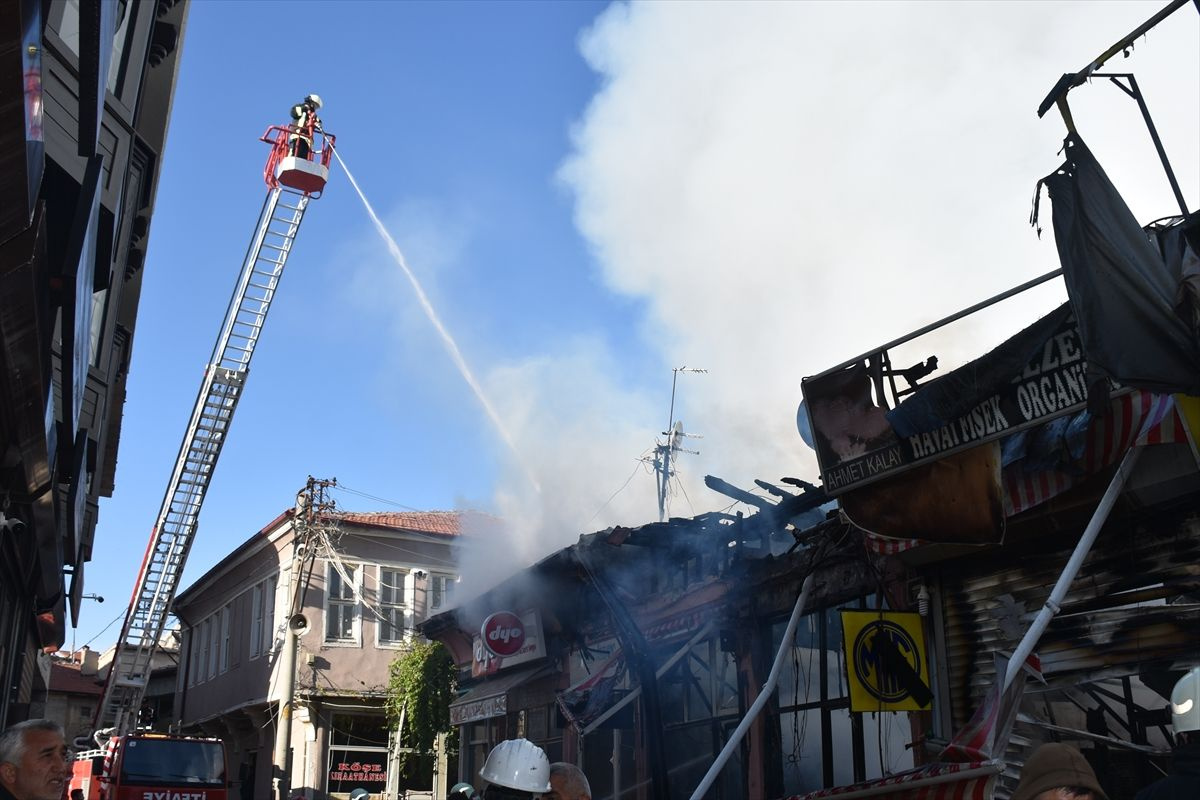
(351, 769)
(1036, 376)
(886, 663)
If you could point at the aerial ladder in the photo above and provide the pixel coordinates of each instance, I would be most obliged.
(295, 173)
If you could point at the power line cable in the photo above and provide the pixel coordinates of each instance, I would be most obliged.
(685, 494)
(119, 615)
(377, 499)
(417, 554)
(639, 465)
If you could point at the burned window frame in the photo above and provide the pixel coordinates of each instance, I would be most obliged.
(830, 701)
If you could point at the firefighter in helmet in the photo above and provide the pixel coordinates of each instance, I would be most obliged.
(1183, 781)
(304, 122)
(516, 769)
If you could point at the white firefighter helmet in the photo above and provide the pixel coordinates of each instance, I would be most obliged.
(1185, 702)
(518, 764)
(314, 99)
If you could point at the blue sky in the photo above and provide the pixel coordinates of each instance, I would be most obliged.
(591, 195)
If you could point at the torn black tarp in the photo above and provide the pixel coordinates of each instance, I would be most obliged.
(1123, 292)
(957, 392)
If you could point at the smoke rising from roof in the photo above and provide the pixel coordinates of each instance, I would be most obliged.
(785, 185)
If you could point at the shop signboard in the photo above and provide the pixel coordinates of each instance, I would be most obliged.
(506, 639)
(488, 707)
(358, 767)
(1032, 378)
(886, 662)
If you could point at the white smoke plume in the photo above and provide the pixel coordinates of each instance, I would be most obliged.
(786, 185)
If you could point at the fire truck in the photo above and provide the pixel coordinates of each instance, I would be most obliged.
(139, 765)
(151, 766)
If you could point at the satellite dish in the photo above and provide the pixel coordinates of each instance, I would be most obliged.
(804, 426)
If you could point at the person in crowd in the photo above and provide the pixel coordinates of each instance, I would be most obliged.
(1058, 772)
(1183, 781)
(516, 769)
(35, 763)
(567, 782)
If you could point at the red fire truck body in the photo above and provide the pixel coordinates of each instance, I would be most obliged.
(151, 766)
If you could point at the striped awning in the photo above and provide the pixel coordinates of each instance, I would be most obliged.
(974, 780)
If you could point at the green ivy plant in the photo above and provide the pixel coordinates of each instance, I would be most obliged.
(421, 684)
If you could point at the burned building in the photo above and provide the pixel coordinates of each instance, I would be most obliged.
(642, 649)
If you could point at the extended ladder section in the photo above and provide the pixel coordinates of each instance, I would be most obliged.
(224, 379)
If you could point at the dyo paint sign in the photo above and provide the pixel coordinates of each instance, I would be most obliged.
(506, 639)
(503, 634)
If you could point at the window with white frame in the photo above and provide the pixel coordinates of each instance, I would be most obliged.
(392, 605)
(341, 607)
(214, 649)
(226, 615)
(205, 628)
(440, 587)
(256, 620)
(268, 620)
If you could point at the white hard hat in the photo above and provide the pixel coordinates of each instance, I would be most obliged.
(518, 764)
(315, 99)
(1185, 702)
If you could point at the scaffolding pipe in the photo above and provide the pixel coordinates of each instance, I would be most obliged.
(1054, 602)
(764, 695)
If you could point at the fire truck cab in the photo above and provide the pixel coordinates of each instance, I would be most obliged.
(151, 766)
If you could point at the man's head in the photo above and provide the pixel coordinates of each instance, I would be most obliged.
(567, 782)
(35, 763)
(1058, 772)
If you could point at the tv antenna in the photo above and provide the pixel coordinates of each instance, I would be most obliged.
(665, 450)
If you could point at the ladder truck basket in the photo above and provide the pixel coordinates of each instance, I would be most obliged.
(299, 158)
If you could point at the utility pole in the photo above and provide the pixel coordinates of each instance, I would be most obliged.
(313, 506)
(665, 450)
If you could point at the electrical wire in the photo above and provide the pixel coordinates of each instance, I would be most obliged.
(685, 495)
(119, 615)
(640, 465)
(383, 543)
(377, 499)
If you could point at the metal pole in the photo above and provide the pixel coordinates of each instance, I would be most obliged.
(282, 755)
(1158, 145)
(664, 479)
(616, 764)
(943, 321)
(1071, 80)
(768, 689)
(283, 730)
(1054, 602)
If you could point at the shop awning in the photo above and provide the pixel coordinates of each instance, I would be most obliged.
(490, 697)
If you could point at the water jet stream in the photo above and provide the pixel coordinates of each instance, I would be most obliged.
(447, 340)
